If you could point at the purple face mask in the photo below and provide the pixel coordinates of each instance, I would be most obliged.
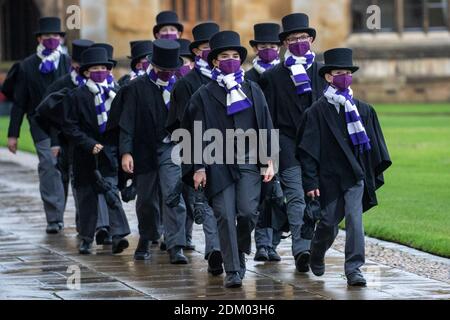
(268, 55)
(342, 81)
(230, 66)
(145, 65)
(299, 49)
(205, 54)
(165, 75)
(99, 76)
(51, 43)
(169, 36)
(184, 70)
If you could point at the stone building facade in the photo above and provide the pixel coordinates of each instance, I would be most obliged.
(406, 60)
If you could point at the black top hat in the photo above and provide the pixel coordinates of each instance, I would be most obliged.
(266, 33)
(50, 25)
(184, 48)
(140, 50)
(296, 22)
(223, 41)
(166, 55)
(339, 58)
(78, 47)
(94, 56)
(202, 33)
(109, 50)
(167, 18)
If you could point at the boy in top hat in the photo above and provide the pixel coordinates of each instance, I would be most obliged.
(35, 74)
(233, 189)
(182, 92)
(110, 51)
(50, 110)
(290, 88)
(168, 26)
(266, 47)
(343, 154)
(139, 62)
(92, 129)
(146, 149)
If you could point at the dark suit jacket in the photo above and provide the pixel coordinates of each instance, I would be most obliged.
(287, 107)
(142, 122)
(329, 160)
(181, 94)
(252, 75)
(81, 128)
(208, 105)
(31, 86)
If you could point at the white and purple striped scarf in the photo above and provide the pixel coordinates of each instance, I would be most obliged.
(355, 125)
(203, 67)
(111, 81)
(77, 79)
(133, 74)
(50, 59)
(298, 67)
(261, 66)
(104, 97)
(165, 86)
(237, 101)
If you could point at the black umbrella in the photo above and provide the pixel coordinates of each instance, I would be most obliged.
(312, 215)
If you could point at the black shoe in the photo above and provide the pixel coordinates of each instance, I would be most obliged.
(215, 262)
(233, 280)
(101, 236)
(317, 264)
(273, 255)
(243, 269)
(163, 246)
(108, 240)
(53, 228)
(302, 261)
(356, 279)
(85, 247)
(119, 245)
(142, 251)
(262, 255)
(177, 256)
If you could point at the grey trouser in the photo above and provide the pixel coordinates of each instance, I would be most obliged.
(291, 183)
(238, 201)
(89, 206)
(148, 206)
(348, 206)
(212, 242)
(267, 237)
(174, 219)
(50, 183)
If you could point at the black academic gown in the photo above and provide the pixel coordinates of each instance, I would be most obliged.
(124, 80)
(181, 94)
(31, 86)
(287, 107)
(82, 130)
(10, 81)
(142, 123)
(253, 75)
(329, 160)
(208, 105)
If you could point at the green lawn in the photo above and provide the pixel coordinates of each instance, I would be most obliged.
(415, 202)
(25, 141)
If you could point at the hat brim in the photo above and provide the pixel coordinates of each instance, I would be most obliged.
(196, 44)
(158, 27)
(40, 33)
(174, 68)
(214, 53)
(327, 68)
(85, 67)
(312, 32)
(135, 61)
(254, 43)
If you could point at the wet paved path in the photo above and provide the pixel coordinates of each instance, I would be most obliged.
(34, 265)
